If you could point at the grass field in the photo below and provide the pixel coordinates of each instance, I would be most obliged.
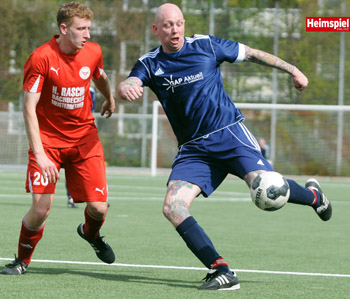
(289, 253)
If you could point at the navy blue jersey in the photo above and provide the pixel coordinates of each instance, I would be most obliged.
(189, 85)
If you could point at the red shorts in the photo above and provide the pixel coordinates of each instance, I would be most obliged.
(85, 172)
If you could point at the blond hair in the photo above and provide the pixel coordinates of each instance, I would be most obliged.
(69, 10)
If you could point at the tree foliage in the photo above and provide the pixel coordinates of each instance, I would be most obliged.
(29, 23)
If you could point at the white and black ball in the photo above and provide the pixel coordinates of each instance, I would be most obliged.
(270, 191)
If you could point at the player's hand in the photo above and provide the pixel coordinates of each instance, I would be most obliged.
(300, 80)
(130, 92)
(108, 108)
(48, 168)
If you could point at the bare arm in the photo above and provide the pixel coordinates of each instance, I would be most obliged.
(131, 89)
(253, 55)
(48, 168)
(102, 84)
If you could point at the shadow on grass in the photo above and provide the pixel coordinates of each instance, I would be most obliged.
(120, 277)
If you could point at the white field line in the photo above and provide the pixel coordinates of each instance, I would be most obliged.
(185, 268)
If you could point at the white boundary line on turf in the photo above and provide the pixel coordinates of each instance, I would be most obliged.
(184, 268)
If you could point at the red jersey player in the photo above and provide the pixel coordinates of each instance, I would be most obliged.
(62, 133)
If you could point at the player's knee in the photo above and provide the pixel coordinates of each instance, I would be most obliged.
(169, 212)
(97, 210)
(166, 211)
(175, 211)
(40, 208)
(42, 212)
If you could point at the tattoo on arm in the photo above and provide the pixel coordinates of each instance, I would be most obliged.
(263, 58)
(133, 81)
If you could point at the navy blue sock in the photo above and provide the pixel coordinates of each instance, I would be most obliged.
(198, 241)
(302, 195)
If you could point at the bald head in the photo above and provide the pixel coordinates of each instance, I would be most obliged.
(169, 26)
(165, 11)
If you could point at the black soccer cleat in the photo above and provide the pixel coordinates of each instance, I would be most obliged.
(221, 281)
(102, 249)
(15, 268)
(324, 211)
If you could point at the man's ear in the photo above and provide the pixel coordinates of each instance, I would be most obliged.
(63, 29)
(155, 29)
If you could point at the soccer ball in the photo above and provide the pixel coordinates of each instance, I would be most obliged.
(270, 191)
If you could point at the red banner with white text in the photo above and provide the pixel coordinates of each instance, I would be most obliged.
(335, 24)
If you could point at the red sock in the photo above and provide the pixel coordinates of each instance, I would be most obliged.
(221, 265)
(316, 199)
(28, 239)
(219, 262)
(92, 226)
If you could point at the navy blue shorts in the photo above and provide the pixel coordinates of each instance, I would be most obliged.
(206, 161)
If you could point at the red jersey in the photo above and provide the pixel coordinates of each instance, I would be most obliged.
(64, 107)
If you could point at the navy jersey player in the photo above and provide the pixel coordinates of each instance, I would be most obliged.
(184, 73)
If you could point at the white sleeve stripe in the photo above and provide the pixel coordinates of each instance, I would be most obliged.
(241, 53)
(36, 85)
(195, 37)
(148, 72)
(150, 54)
(212, 48)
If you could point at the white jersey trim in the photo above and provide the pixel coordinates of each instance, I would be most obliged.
(241, 53)
(152, 54)
(195, 37)
(36, 85)
(190, 40)
(223, 128)
(250, 137)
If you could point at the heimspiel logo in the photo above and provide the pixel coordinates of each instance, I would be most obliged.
(84, 72)
(170, 83)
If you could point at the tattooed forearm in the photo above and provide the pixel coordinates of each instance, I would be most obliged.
(133, 81)
(263, 58)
